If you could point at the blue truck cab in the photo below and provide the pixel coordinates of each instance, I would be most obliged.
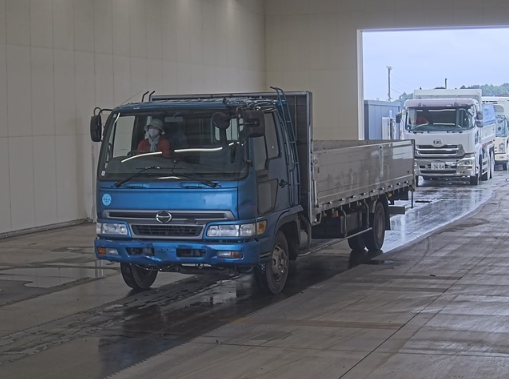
(224, 199)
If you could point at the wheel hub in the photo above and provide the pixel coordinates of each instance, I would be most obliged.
(279, 263)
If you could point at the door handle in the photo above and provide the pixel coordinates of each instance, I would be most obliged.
(283, 183)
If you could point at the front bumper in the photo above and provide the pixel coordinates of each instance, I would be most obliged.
(501, 158)
(166, 253)
(443, 168)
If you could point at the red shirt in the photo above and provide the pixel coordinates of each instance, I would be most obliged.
(163, 145)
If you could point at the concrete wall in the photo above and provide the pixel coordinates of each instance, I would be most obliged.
(61, 58)
(316, 45)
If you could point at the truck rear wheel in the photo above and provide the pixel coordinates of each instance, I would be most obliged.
(374, 238)
(271, 276)
(138, 277)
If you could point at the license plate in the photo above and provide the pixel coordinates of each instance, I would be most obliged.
(437, 165)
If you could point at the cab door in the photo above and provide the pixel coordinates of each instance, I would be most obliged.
(271, 168)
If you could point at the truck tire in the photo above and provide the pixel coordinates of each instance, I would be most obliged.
(271, 277)
(137, 277)
(492, 165)
(374, 238)
(486, 175)
(474, 179)
(357, 243)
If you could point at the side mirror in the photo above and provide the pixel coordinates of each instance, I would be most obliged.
(96, 127)
(398, 118)
(479, 116)
(479, 123)
(221, 120)
(254, 123)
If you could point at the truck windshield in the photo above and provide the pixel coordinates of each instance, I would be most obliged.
(438, 119)
(179, 144)
(501, 126)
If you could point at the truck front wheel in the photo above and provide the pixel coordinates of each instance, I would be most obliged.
(136, 277)
(374, 238)
(357, 243)
(474, 179)
(271, 276)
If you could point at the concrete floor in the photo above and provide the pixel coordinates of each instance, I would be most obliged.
(434, 305)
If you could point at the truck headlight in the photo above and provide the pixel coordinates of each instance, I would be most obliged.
(468, 160)
(242, 230)
(111, 229)
(501, 148)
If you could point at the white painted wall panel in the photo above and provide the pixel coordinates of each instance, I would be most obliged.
(154, 22)
(61, 58)
(63, 24)
(103, 26)
(85, 90)
(65, 92)
(21, 181)
(3, 22)
(83, 26)
(19, 83)
(45, 181)
(120, 25)
(121, 79)
(17, 14)
(43, 89)
(67, 177)
(4, 126)
(41, 24)
(5, 190)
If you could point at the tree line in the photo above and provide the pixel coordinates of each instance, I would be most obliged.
(487, 90)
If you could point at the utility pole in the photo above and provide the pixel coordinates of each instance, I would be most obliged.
(445, 83)
(389, 68)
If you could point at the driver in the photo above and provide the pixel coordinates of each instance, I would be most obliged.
(154, 141)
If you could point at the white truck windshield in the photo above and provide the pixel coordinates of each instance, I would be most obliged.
(438, 119)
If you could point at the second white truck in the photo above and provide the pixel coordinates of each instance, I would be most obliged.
(454, 134)
(501, 105)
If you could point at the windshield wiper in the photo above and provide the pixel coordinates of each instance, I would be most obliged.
(201, 180)
(175, 175)
(138, 173)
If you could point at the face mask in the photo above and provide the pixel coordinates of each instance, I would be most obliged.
(153, 133)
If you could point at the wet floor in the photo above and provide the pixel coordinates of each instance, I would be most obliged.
(63, 314)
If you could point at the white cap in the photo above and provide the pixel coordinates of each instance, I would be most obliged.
(155, 123)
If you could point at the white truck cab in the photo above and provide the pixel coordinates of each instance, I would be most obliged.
(454, 134)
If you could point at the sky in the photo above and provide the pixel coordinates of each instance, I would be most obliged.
(424, 59)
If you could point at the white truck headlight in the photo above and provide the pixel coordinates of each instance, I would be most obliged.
(501, 148)
(242, 230)
(468, 160)
(111, 229)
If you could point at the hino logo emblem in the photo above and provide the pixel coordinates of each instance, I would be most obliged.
(163, 217)
(437, 142)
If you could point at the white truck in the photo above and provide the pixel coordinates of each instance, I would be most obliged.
(454, 134)
(501, 105)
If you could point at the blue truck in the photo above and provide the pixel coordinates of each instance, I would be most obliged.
(244, 188)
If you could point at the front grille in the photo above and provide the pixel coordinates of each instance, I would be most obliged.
(167, 230)
(443, 151)
(181, 216)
